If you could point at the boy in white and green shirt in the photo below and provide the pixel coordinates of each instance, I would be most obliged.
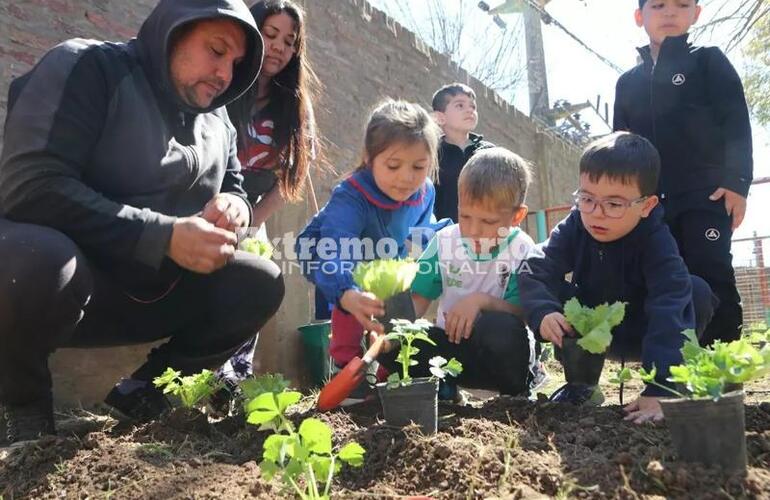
(471, 269)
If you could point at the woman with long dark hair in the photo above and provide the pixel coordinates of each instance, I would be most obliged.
(276, 131)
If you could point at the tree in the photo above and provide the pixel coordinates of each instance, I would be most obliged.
(489, 54)
(757, 78)
(738, 17)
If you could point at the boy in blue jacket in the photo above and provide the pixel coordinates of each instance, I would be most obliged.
(618, 248)
(688, 101)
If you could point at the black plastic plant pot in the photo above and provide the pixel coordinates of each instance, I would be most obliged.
(398, 306)
(580, 366)
(707, 431)
(417, 402)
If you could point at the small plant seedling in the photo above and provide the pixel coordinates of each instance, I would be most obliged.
(705, 372)
(385, 277)
(407, 332)
(191, 389)
(594, 324)
(304, 458)
(257, 247)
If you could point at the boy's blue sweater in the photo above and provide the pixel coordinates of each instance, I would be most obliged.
(359, 209)
(643, 269)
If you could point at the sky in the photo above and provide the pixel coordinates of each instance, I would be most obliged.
(574, 74)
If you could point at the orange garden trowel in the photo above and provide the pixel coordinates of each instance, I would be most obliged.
(342, 384)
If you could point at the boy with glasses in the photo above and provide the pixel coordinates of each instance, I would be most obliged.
(618, 248)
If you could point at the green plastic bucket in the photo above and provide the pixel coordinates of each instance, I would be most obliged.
(315, 339)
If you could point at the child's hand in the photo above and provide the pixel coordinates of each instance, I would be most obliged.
(553, 327)
(459, 320)
(735, 204)
(644, 409)
(364, 305)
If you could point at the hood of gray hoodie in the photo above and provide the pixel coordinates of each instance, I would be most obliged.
(168, 16)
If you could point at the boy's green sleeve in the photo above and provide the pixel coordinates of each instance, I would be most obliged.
(427, 283)
(511, 294)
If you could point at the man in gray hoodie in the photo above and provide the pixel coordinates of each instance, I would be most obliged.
(120, 198)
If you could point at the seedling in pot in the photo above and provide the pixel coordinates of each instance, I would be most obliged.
(708, 373)
(583, 357)
(705, 384)
(407, 332)
(404, 399)
(303, 458)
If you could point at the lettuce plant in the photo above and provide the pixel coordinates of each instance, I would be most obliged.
(594, 324)
(257, 247)
(386, 277)
(304, 458)
(706, 372)
(407, 332)
(192, 389)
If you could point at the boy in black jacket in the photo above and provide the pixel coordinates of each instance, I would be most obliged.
(454, 109)
(617, 248)
(689, 102)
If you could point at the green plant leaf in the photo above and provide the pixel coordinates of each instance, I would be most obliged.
(622, 376)
(352, 454)
(274, 448)
(316, 436)
(386, 277)
(257, 247)
(269, 469)
(594, 325)
(253, 387)
(167, 377)
(262, 409)
(286, 399)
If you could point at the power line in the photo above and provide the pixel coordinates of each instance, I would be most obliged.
(548, 19)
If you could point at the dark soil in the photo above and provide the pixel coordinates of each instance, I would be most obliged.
(501, 448)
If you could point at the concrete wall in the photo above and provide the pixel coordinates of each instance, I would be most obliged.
(361, 56)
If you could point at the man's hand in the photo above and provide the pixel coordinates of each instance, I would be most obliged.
(553, 328)
(200, 247)
(735, 204)
(364, 305)
(460, 319)
(644, 409)
(226, 211)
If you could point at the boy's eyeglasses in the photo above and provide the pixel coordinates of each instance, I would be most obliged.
(614, 208)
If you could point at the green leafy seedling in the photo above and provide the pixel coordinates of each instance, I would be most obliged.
(192, 389)
(707, 372)
(594, 324)
(407, 332)
(257, 247)
(305, 459)
(385, 277)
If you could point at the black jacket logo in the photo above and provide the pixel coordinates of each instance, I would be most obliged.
(678, 79)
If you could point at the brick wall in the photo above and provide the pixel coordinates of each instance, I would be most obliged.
(361, 56)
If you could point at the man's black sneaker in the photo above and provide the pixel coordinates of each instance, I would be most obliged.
(141, 403)
(578, 394)
(27, 422)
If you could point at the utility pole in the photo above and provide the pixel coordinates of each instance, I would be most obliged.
(537, 79)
